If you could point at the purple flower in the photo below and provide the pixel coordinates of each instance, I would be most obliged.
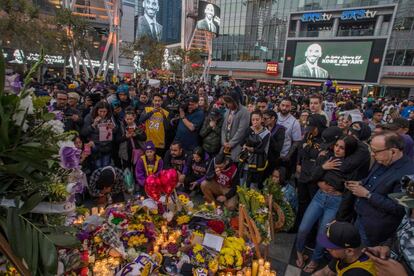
(69, 157)
(59, 116)
(83, 235)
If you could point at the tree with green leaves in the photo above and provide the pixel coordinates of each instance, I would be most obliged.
(182, 61)
(21, 27)
(152, 52)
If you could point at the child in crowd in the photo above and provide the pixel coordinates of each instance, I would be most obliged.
(148, 164)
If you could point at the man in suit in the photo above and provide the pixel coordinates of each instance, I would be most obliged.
(147, 23)
(378, 216)
(207, 23)
(310, 68)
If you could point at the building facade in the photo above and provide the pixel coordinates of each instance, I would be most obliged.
(254, 32)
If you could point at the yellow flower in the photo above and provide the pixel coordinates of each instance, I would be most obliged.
(183, 199)
(199, 258)
(197, 248)
(97, 239)
(136, 227)
(183, 219)
(135, 208)
(198, 233)
(229, 259)
(213, 265)
(154, 211)
(239, 259)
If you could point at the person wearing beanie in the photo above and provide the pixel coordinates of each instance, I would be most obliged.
(343, 242)
(106, 184)
(148, 164)
(235, 125)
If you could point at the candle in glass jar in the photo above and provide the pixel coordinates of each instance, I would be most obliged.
(261, 262)
(255, 267)
(156, 249)
(248, 272)
(267, 265)
(94, 211)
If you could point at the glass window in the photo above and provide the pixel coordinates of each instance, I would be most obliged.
(409, 57)
(399, 57)
(389, 57)
(408, 23)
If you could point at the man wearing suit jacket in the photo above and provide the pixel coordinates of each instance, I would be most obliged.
(378, 216)
(310, 68)
(147, 23)
(207, 23)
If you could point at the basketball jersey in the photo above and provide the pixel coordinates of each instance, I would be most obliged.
(154, 127)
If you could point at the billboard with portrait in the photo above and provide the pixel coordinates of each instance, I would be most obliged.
(208, 17)
(346, 60)
(159, 20)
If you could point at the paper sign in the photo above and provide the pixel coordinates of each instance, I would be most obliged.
(213, 241)
(105, 132)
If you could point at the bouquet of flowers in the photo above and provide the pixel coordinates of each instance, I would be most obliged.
(232, 253)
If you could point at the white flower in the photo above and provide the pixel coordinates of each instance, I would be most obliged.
(55, 126)
(25, 106)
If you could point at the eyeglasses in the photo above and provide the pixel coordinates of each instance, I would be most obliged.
(375, 152)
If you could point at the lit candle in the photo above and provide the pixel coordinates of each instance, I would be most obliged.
(273, 273)
(229, 274)
(94, 211)
(156, 249)
(101, 211)
(239, 273)
(267, 265)
(171, 239)
(248, 272)
(142, 198)
(255, 267)
(267, 272)
(261, 262)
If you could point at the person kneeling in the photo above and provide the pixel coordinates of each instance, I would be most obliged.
(222, 179)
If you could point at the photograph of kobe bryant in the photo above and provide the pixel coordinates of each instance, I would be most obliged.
(310, 68)
(147, 23)
(208, 17)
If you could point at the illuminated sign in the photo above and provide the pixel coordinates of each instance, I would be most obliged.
(315, 17)
(272, 68)
(358, 14)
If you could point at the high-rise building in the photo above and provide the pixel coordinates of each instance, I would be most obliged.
(254, 32)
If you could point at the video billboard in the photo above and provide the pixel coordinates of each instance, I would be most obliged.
(159, 20)
(346, 60)
(208, 17)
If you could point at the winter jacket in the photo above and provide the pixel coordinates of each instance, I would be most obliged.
(211, 137)
(142, 170)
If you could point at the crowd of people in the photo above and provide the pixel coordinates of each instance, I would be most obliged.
(337, 156)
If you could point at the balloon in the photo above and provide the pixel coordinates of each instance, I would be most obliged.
(153, 187)
(328, 83)
(169, 179)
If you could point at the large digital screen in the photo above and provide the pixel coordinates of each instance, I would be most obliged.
(159, 20)
(208, 17)
(347, 60)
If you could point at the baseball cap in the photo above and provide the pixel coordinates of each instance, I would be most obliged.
(193, 99)
(340, 235)
(330, 136)
(405, 198)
